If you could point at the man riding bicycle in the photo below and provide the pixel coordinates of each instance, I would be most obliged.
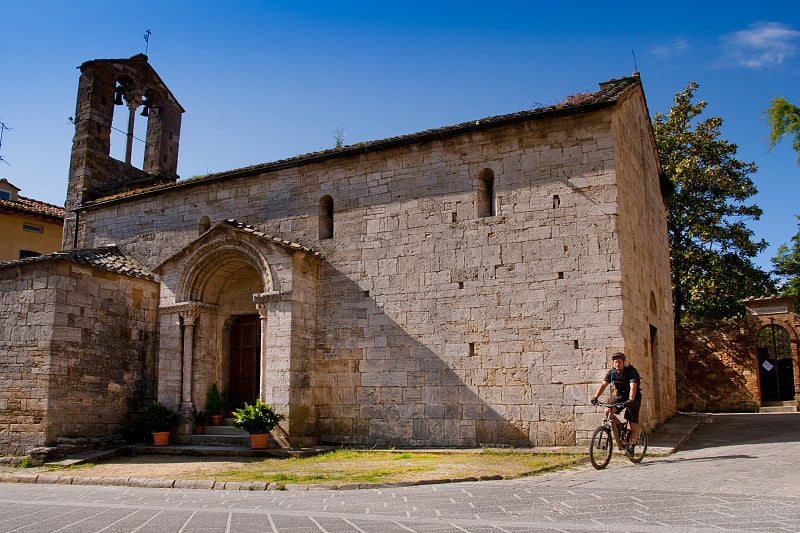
(628, 392)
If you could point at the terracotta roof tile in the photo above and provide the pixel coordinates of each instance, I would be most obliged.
(108, 258)
(29, 206)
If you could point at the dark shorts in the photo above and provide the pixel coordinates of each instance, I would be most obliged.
(632, 412)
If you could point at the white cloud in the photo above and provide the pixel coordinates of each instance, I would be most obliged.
(672, 48)
(761, 45)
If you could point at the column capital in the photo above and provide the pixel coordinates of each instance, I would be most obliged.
(189, 311)
(264, 298)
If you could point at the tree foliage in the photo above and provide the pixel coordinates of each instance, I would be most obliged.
(787, 264)
(783, 119)
(711, 248)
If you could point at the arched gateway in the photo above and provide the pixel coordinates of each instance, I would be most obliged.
(775, 348)
(230, 308)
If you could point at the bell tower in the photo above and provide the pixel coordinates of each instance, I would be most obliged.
(127, 86)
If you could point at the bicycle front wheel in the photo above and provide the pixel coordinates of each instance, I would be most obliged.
(601, 447)
(641, 447)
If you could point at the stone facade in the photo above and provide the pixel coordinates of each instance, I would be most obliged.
(76, 342)
(456, 287)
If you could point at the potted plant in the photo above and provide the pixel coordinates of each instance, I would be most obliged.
(258, 420)
(200, 419)
(159, 420)
(214, 405)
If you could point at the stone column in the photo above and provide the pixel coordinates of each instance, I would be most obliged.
(188, 322)
(262, 304)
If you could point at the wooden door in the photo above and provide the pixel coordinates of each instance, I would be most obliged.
(245, 350)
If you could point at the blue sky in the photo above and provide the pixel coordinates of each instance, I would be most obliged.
(262, 81)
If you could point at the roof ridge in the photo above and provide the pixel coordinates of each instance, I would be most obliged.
(232, 222)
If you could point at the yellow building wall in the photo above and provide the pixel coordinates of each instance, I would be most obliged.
(14, 237)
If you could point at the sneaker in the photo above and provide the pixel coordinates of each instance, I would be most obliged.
(631, 448)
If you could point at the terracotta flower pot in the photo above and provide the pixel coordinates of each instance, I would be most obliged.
(160, 438)
(216, 420)
(258, 441)
(199, 430)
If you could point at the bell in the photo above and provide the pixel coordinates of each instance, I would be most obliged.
(144, 112)
(118, 97)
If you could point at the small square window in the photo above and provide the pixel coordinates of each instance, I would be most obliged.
(5, 195)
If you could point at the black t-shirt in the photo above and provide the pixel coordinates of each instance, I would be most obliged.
(622, 381)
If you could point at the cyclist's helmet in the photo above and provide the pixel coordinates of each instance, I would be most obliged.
(618, 355)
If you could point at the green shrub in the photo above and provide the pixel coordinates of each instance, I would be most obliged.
(257, 418)
(214, 403)
(159, 417)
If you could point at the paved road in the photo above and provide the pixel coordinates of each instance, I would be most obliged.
(737, 473)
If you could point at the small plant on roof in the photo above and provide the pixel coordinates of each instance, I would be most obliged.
(257, 418)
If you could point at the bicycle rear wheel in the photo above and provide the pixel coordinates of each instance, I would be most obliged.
(641, 447)
(600, 447)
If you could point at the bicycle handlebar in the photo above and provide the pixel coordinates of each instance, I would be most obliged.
(618, 405)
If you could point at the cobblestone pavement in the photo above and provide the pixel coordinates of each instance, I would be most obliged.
(736, 473)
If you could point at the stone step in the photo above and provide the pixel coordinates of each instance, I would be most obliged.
(231, 440)
(778, 407)
(224, 430)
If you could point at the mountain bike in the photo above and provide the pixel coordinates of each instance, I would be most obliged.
(615, 429)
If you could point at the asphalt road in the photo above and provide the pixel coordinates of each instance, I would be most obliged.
(736, 473)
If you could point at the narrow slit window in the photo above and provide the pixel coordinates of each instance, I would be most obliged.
(325, 217)
(556, 201)
(487, 201)
(204, 225)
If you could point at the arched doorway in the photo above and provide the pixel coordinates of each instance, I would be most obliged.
(775, 366)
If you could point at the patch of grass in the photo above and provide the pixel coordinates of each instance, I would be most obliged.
(353, 466)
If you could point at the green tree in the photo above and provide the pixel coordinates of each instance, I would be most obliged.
(711, 248)
(783, 119)
(787, 264)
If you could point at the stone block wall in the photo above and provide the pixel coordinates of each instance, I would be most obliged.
(716, 369)
(435, 323)
(77, 347)
(647, 319)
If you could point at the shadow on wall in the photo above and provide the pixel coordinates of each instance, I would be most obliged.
(712, 364)
(376, 384)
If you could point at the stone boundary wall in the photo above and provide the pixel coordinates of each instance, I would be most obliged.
(76, 351)
(715, 370)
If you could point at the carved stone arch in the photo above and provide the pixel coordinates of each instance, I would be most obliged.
(212, 260)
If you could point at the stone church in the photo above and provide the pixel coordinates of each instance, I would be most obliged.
(461, 286)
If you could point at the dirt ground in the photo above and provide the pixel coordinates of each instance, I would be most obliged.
(408, 468)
